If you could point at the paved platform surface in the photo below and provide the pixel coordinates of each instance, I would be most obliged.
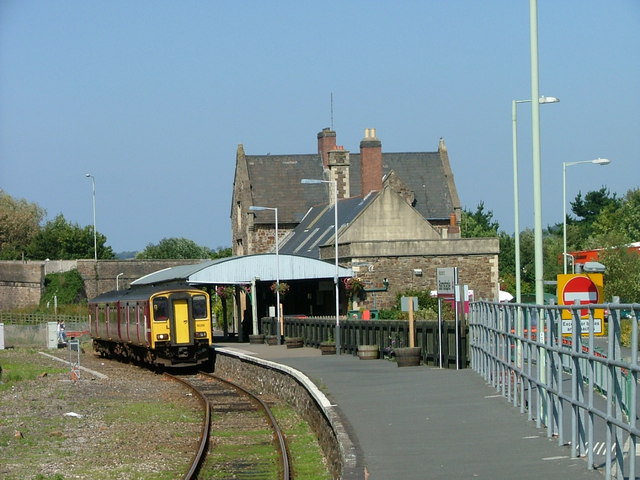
(415, 423)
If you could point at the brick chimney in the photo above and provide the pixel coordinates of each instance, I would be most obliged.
(370, 162)
(339, 170)
(326, 142)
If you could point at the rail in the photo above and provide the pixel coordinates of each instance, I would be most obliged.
(199, 456)
(578, 385)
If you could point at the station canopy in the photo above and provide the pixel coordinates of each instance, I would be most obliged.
(245, 269)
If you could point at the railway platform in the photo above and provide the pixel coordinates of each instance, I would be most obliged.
(416, 423)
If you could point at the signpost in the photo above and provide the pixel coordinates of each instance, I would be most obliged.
(581, 289)
(446, 281)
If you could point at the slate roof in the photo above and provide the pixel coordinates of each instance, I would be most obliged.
(275, 181)
(317, 227)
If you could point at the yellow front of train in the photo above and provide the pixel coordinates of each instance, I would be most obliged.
(180, 326)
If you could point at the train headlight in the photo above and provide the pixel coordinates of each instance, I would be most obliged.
(162, 336)
(201, 334)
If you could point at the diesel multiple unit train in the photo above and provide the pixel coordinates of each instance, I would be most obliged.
(155, 325)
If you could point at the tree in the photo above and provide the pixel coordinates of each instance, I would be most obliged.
(19, 223)
(622, 220)
(622, 276)
(478, 223)
(175, 248)
(62, 240)
(588, 210)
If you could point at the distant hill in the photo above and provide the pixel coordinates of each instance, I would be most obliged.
(125, 255)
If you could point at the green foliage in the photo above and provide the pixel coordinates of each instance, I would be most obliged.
(68, 287)
(622, 276)
(427, 307)
(175, 248)
(19, 223)
(478, 223)
(63, 240)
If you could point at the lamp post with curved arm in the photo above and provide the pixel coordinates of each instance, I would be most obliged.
(95, 238)
(255, 208)
(597, 161)
(336, 278)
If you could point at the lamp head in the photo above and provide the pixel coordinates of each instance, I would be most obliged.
(87, 175)
(544, 99)
(601, 161)
(310, 181)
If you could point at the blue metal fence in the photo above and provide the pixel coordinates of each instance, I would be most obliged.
(570, 380)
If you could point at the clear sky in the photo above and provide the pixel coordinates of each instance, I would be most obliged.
(153, 97)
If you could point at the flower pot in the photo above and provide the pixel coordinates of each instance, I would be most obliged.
(328, 348)
(294, 342)
(408, 356)
(271, 339)
(256, 339)
(368, 352)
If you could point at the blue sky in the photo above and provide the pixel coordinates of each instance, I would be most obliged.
(153, 97)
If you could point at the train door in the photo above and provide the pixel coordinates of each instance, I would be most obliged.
(182, 324)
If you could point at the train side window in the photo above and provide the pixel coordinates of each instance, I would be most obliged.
(160, 309)
(199, 306)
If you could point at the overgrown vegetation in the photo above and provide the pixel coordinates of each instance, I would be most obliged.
(14, 372)
(427, 307)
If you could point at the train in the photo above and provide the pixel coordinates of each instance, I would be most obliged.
(160, 326)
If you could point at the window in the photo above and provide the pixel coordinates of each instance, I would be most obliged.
(160, 309)
(199, 306)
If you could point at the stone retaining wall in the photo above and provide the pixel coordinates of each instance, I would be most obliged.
(296, 389)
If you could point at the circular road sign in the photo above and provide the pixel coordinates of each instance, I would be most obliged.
(582, 290)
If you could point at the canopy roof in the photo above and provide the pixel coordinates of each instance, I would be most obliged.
(244, 269)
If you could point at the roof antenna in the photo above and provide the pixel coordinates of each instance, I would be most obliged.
(331, 110)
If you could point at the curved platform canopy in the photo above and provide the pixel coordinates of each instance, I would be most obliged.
(245, 269)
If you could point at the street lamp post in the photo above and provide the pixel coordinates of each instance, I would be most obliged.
(597, 161)
(335, 237)
(254, 208)
(95, 238)
(516, 216)
(516, 207)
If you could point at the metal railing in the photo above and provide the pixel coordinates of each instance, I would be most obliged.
(574, 382)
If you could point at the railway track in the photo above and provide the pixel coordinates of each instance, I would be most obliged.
(240, 437)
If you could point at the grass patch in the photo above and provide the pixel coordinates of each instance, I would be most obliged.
(14, 371)
(306, 454)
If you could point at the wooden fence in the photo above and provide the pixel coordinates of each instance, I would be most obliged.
(436, 341)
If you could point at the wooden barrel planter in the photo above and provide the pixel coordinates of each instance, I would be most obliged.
(271, 339)
(256, 339)
(408, 356)
(294, 342)
(368, 352)
(328, 348)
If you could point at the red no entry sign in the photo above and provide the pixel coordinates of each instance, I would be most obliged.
(581, 290)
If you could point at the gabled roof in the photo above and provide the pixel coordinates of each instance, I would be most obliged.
(275, 182)
(243, 269)
(317, 227)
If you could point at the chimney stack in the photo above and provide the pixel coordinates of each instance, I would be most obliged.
(326, 142)
(370, 162)
(339, 170)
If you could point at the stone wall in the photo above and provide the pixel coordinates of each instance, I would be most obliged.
(412, 265)
(106, 275)
(20, 284)
(259, 375)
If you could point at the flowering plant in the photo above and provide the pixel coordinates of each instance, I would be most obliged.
(224, 292)
(354, 286)
(284, 288)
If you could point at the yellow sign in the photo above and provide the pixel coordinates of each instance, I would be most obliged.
(581, 289)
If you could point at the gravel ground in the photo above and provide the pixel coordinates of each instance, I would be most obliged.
(133, 424)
